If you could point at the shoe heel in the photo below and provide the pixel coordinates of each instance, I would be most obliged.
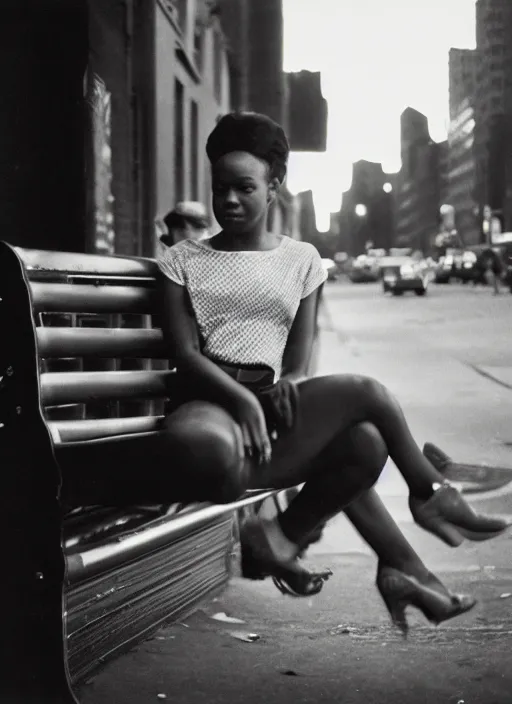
(393, 593)
(450, 534)
(396, 610)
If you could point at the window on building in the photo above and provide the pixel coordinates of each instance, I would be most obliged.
(496, 50)
(497, 82)
(217, 65)
(194, 150)
(179, 141)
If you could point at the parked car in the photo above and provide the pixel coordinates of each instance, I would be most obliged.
(449, 266)
(401, 274)
(505, 251)
(364, 269)
(471, 257)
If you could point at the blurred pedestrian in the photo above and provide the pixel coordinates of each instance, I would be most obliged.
(492, 269)
(187, 221)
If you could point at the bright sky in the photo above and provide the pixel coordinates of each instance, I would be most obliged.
(376, 58)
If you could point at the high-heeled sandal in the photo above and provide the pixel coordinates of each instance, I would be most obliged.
(399, 590)
(289, 576)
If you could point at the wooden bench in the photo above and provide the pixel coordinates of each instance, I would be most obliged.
(103, 374)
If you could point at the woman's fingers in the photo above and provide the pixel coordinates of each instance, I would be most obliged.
(261, 440)
(247, 440)
(239, 439)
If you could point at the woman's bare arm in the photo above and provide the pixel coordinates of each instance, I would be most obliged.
(181, 334)
(299, 346)
(179, 327)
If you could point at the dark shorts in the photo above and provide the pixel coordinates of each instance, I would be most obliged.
(258, 379)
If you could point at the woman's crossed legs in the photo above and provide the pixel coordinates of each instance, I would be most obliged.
(344, 429)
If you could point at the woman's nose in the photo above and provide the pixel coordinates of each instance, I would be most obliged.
(231, 197)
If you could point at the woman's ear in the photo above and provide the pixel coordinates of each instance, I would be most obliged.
(273, 190)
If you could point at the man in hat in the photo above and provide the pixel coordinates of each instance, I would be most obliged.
(187, 221)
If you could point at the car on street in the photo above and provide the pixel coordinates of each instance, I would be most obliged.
(400, 274)
(505, 252)
(364, 269)
(471, 269)
(449, 266)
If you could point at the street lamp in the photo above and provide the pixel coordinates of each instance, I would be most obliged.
(387, 187)
(361, 210)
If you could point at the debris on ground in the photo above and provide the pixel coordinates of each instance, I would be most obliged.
(221, 616)
(246, 637)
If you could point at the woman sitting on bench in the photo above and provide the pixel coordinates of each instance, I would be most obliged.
(240, 311)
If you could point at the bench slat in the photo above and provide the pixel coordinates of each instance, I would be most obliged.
(76, 430)
(80, 298)
(59, 388)
(101, 342)
(86, 563)
(36, 260)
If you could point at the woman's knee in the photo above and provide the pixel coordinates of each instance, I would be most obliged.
(212, 442)
(368, 449)
(371, 398)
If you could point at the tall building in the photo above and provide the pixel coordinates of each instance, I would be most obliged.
(421, 183)
(493, 108)
(367, 210)
(306, 112)
(461, 167)
(461, 173)
(254, 34)
(254, 41)
(462, 67)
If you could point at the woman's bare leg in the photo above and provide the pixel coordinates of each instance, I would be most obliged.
(363, 447)
(329, 406)
(314, 451)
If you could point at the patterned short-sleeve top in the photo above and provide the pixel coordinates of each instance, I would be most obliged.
(244, 302)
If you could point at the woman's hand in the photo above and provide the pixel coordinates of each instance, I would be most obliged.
(283, 398)
(251, 419)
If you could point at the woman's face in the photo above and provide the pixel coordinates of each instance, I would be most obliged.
(241, 192)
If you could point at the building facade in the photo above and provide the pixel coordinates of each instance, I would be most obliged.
(462, 68)
(192, 90)
(367, 210)
(493, 109)
(421, 183)
(461, 173)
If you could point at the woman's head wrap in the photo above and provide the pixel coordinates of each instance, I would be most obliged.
(253, 133)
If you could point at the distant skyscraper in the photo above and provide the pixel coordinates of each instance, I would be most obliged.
(420, 183)
(461, 163)
(493, 107)
(462, 65)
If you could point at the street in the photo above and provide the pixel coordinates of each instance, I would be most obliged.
(447, 357)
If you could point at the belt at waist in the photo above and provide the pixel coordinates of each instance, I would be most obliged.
(248, 375)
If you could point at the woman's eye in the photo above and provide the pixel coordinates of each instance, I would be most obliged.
(247, 189)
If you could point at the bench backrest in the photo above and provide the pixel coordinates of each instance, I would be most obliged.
(102, 358)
